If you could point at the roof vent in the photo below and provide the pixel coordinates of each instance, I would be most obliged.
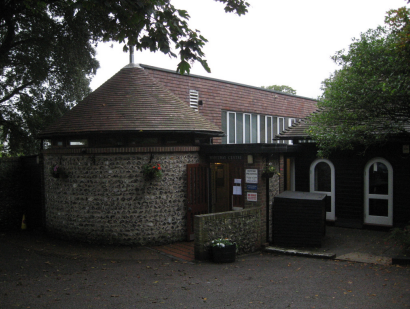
(193, 99)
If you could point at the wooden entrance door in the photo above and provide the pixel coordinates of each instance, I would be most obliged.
(197, 195)
(220, 187)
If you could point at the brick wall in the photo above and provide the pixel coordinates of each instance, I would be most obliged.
(242, 226)
(106, 200)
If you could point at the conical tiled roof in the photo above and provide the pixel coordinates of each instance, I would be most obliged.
(131, 101)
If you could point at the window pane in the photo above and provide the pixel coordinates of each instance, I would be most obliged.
(231, 126)
(281, 124)
(269, 130)
(322, 177)
(224, 127)
(247, 129)
(378, 179)
(254, 129)
(378, 207)
(78, 142)
(239, 128)
(262, 129)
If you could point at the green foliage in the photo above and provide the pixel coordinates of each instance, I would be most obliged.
(47, 53)
(281, 88)
(367, 100)
(152, 171)
(223, 242)
(402, 236)
(270, 169)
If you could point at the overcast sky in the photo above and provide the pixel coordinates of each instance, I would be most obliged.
(277, 42)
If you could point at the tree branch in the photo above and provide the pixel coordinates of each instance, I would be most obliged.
(15, 91)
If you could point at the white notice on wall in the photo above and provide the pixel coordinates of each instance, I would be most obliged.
(252, 197)
(251, 175)
(237, 189)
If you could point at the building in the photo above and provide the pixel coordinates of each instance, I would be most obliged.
(187, 124)
(364, 187)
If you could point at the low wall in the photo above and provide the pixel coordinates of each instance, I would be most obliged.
(242, 226)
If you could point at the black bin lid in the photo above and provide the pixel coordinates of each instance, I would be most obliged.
(297, 195)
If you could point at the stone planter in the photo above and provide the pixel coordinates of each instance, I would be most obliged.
(225, 254)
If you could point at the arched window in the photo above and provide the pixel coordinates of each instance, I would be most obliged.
(322, 180)
(378, 192)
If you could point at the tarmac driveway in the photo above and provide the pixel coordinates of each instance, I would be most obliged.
(34, 279)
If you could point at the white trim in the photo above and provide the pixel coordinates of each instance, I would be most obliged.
(378, 220)
(258, 131)
(329, 215)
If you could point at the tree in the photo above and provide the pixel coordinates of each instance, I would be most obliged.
(282, 88)
(47, 55)
(367, 101)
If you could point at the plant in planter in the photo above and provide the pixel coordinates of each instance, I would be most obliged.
(57, 171)
(152, 171)
(269, 170)
(223, 250)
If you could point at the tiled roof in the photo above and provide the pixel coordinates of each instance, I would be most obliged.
(298, 130)
(131, 101)
(295, 132)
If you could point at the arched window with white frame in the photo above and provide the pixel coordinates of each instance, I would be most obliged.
(378, 192)
(322, 180)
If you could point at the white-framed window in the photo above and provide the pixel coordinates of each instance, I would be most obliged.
(231, 127)
(251, 132)
(322, 180)
(242, 128)
(246, 128)
(291, 121)
(268, 129)
(193, 99)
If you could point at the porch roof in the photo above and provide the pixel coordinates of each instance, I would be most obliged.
(249, 148)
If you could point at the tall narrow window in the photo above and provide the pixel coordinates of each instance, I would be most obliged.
(231, 128)
(291, 121)
(193, 99)
(254, 129)
(247, 128)
(239, 128)
(268, 129)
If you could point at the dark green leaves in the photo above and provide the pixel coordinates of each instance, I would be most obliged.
(367, 101)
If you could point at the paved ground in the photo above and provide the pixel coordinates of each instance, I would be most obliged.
(39, 272)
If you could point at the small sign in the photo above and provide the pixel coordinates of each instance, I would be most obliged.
(252, 197)
(237, 188)
(251, 175)
(251, 187)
